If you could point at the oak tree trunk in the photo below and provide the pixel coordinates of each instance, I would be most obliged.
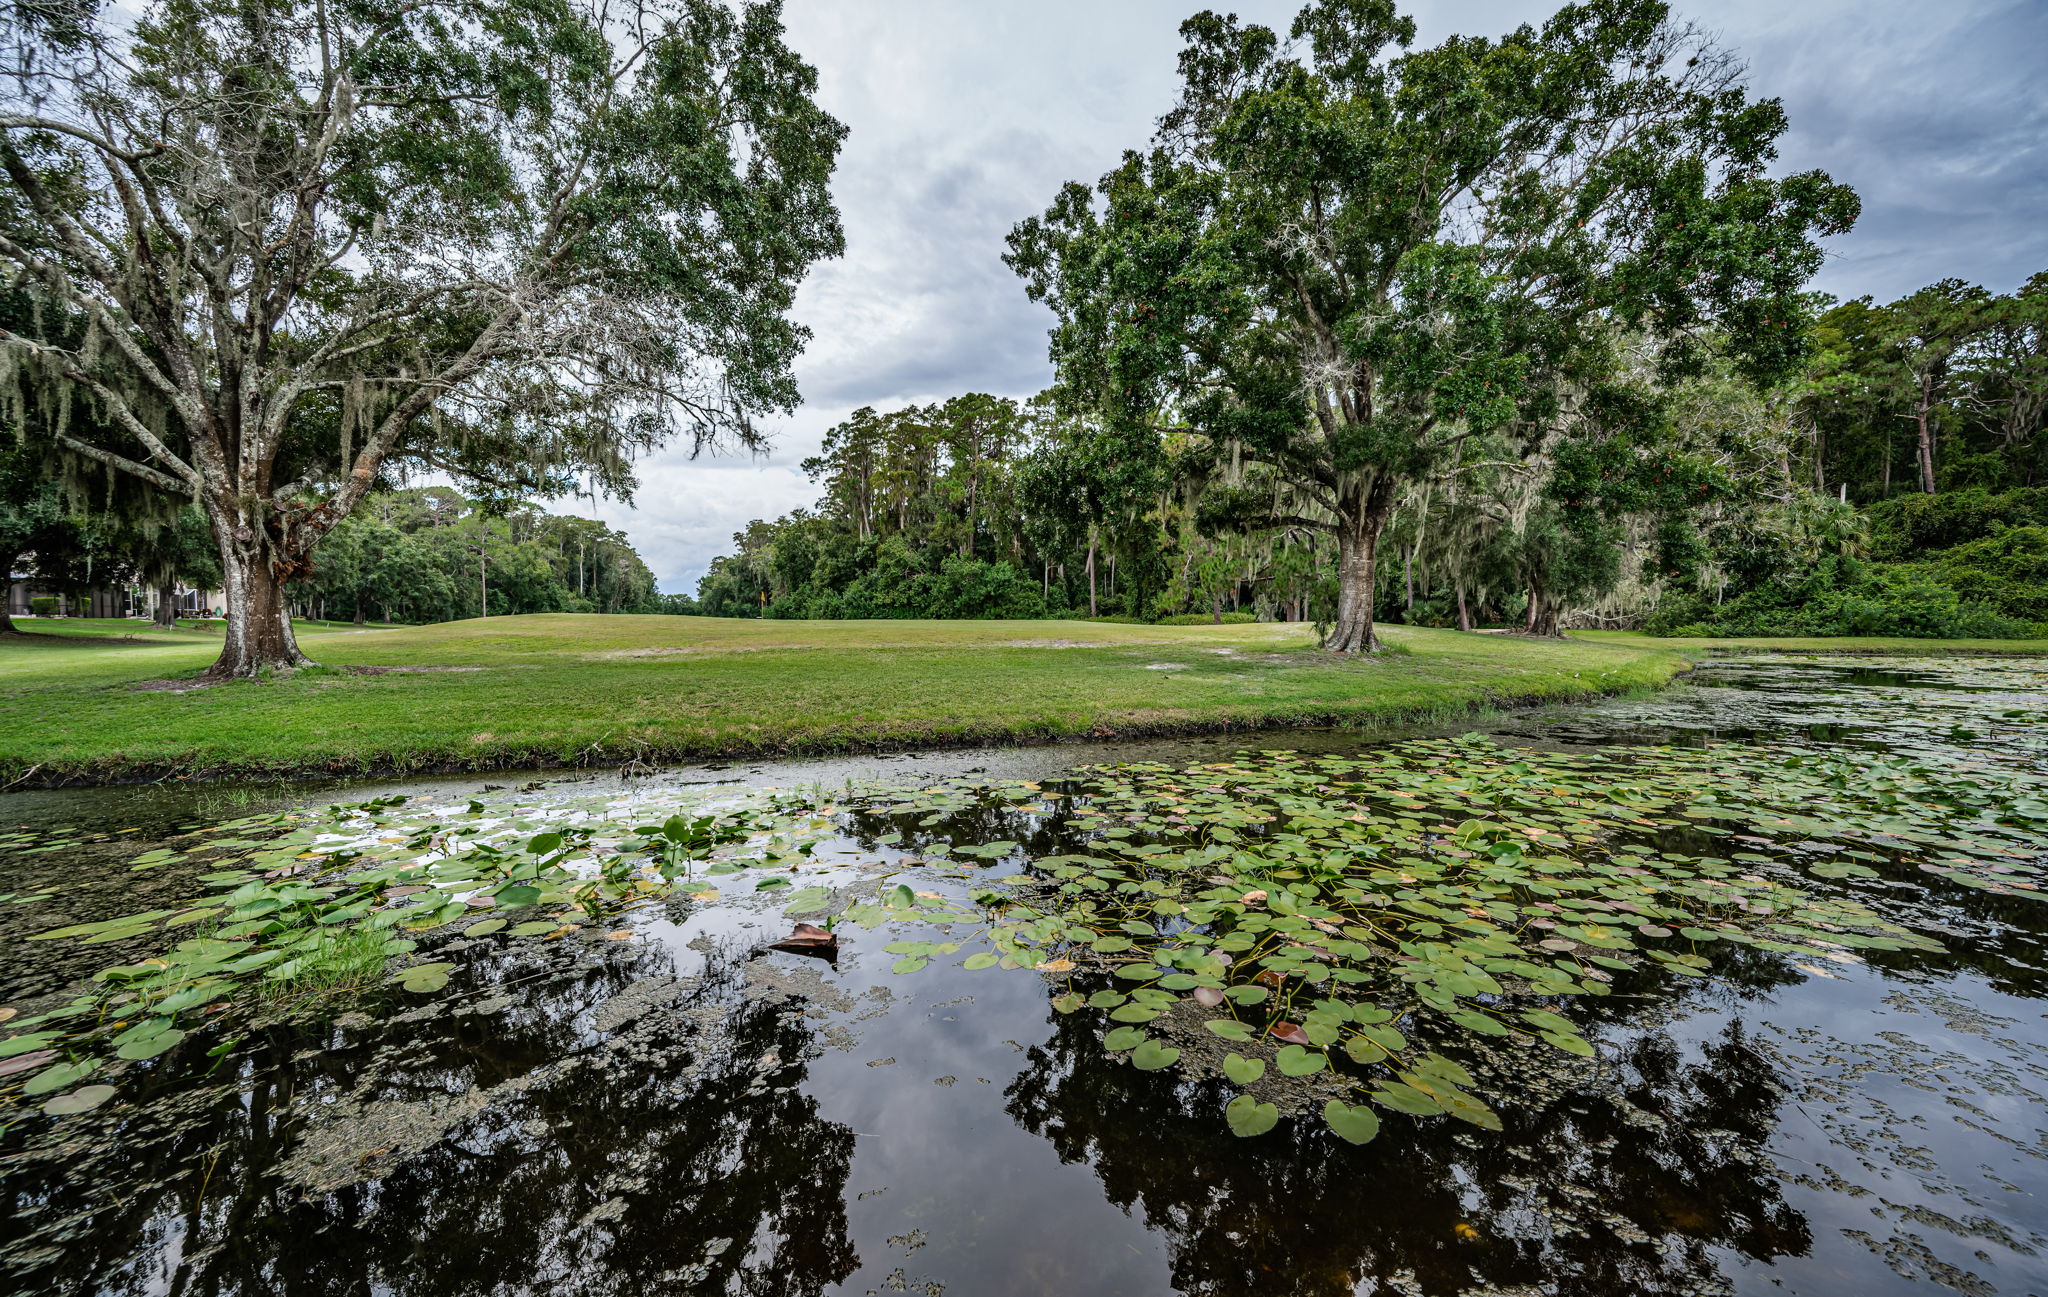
(259, 635)
(1542, 619)
(166, 611)
(1464, 613)
(6, 592)
(1352, 631)
(1361, 518)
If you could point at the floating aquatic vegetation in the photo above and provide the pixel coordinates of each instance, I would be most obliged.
(1328, 911)
(1339, 922)
(292, 894)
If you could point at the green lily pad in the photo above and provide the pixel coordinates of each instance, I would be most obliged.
(1248, 1117)
(1356, 1123)
(1242, 1070)
(1152, 1056)
(81, 1100)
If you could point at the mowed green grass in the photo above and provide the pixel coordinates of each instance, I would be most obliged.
(1895, 646)
(568, 689)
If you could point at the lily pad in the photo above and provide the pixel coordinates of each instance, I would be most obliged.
(1248, 1117)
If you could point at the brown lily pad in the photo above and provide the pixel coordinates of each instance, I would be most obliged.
(809, 939)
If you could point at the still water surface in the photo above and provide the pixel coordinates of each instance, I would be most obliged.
(682, 1112)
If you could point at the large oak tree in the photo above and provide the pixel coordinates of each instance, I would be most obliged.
(317, 245)
(1344, 258)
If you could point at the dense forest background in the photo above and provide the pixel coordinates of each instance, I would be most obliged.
(421, 555)
(1896, 486)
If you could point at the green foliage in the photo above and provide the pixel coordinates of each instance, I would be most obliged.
(2006, 570)
(1343, 258)
(339, 963)
(1206, 619)
(516, 242)
(1974, 365)
(677, 605)
(972, 507)
(46, 605)
(1909, 526)
(432, 555)
(1967, 564)
(1846, 597)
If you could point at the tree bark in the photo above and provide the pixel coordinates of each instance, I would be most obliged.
(166, 612)
(1091, 572)
(1542, 619)
(6, 592)
(260, 638)
(1464, 613)
(1361, 518)
(1924, 414)
(1357, 548)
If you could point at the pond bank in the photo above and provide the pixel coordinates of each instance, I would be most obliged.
(564, 691)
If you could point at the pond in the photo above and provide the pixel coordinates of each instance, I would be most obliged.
(1738, 988)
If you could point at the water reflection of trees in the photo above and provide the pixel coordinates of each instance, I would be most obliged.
(1588, 1193)
(616, 1174)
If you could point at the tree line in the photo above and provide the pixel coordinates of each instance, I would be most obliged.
(420, 555)
(1718, 505)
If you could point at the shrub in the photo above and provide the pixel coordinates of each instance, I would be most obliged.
(969, 587)
(1912, 600)
(1911, 526)
(2007, 570)
(1207, 619)
(45, 605)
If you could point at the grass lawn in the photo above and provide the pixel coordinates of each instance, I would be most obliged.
(568, 688)
(1888, 645)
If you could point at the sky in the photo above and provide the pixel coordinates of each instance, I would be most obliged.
(965, 116)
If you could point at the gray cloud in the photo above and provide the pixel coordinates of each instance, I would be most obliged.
(966, 118)
(1936, 116)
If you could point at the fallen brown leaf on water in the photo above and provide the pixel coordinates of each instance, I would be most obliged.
(23, 1062)
(1253, 898)
(1289, 1032)
(623, 934)
(1055, 966)
(810, 938)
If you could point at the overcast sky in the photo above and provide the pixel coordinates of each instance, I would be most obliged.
(966, 117)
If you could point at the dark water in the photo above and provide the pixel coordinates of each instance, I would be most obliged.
(680, 1113)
